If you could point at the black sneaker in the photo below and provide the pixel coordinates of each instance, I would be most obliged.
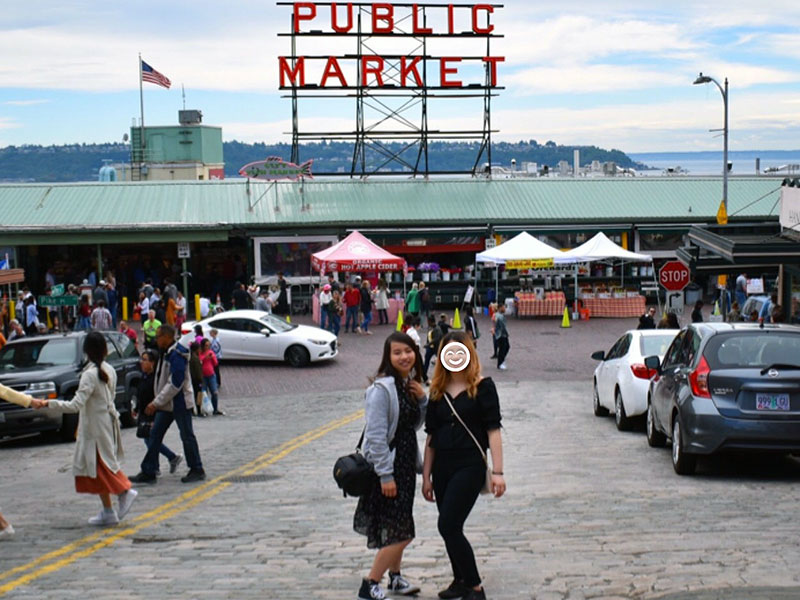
(399, 585)
(370, 590)
(474, 595)
(457, 589)
(142, 477)
(193, 475)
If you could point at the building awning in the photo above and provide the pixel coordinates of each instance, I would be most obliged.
(713, 250)
(106, 236)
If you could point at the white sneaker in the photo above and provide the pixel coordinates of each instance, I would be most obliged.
(175, 462)
(125, 501)
(503, 367)
(105, 517)
(7, 532)
(399, 585)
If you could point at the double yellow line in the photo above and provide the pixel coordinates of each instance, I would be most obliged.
(84, 547)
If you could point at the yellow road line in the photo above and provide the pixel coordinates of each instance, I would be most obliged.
(90, 544)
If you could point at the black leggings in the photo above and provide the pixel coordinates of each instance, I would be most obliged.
(457, 481)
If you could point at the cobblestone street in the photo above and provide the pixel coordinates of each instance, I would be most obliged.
(590, 512)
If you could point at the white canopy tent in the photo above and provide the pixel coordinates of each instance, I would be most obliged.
(602, 248)
(521, 248)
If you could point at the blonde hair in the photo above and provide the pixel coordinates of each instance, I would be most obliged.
(441, 376)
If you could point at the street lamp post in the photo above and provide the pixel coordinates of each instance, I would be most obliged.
(724, 91)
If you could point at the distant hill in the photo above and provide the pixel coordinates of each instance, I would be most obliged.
(80, 162)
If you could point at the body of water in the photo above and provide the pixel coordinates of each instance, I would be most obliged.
(710, 163)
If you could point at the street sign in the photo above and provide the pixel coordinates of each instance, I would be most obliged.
(58, 301)
(673, 276)
(490, 243)
(183, 250)
(674, 302)
(57, 290)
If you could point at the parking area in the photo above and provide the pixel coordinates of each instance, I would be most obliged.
(591, 512)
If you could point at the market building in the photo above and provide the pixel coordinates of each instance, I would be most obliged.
(239, 228)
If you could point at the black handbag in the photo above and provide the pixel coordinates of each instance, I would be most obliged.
(353, 473)
(143, 429)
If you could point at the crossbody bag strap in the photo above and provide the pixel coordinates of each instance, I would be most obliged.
(474, 439)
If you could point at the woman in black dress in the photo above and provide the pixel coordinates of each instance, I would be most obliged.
(282, 305)
(395, 410)
(455, 467)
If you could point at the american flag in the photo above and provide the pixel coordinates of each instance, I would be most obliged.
(150, 75)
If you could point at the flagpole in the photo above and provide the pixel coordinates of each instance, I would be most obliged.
(141, 109)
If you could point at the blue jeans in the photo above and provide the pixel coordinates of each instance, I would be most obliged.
(351, 318)
(367, 320)
(164, 450)
(323, 317)
(336, 324)
(741, 298)
(163, 419)
(211, 387)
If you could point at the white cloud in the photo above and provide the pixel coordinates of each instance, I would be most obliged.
(26, 102)
(6, 123)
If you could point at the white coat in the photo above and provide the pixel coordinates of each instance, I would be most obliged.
(98, 424)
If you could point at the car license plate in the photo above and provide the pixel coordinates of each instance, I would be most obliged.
(772, 401)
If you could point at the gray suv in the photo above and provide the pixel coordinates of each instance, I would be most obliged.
(50, 366)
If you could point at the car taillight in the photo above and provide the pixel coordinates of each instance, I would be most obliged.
(641, 371)
(698, 379)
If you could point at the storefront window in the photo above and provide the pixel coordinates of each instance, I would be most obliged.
(290, 255)
(666, 241)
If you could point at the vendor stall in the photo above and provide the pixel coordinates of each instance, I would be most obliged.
(357, 254)
(529, 304)
(608, 301)
(522, 252)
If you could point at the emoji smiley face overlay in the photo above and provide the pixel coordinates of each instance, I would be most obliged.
(454, 357)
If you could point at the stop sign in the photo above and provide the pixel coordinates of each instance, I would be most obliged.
(673, 276)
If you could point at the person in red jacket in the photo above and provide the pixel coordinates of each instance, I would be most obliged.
(124, 328)
(352, 299)
(209, 361)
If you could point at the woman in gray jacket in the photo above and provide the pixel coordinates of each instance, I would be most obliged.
(395, 410)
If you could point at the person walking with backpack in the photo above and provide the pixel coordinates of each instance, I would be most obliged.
(471, 325)
(173, 402)
(425, 304)
(394, 409)
(366, 307)
(144, 422)
(462, 423)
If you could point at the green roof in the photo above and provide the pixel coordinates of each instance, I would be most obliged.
(220, 206)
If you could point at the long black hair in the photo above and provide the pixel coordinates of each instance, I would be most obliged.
(95, 348)
(387, 370)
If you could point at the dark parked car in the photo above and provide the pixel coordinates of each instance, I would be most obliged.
(50, 366)
(726, 386)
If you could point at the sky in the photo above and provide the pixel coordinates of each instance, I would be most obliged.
(614, 74)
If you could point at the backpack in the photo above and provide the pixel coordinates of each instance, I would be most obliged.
(434, 337)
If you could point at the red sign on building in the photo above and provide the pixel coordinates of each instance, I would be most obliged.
(674, 276)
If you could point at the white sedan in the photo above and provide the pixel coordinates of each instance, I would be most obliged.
(257, 335)
(621, 379)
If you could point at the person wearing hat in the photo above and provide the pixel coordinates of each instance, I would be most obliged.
(100, 293)
(262, 302)
(325, 298)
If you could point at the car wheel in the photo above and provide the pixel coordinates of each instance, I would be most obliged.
(126, 419)
(69, 428)
(682, 462)
(297, 356)
(622, 420)
(655, 438)
(599, 411)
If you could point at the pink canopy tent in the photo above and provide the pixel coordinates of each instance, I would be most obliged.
(355, 253)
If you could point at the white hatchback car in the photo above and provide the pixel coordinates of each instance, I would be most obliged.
(258, 335)
(621, 379)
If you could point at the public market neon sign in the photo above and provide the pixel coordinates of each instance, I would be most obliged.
(386, 20)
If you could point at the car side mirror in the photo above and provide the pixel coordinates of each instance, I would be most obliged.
(599, 355)
(653, 362)
(266, 331)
